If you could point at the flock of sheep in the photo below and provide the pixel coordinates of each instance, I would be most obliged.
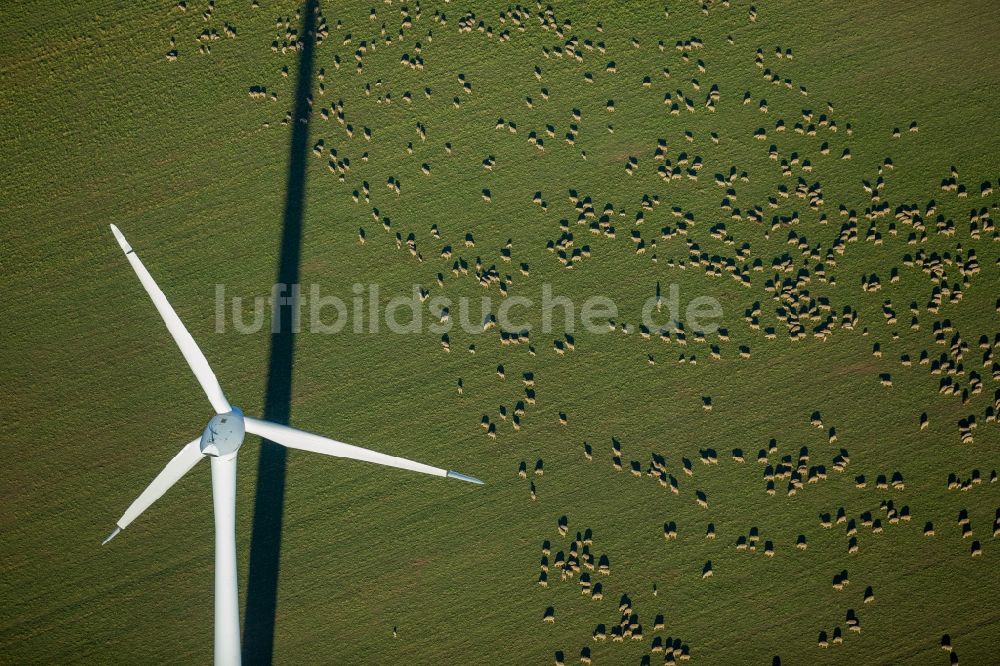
(792, 295)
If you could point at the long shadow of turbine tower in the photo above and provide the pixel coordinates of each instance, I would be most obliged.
(265, 539)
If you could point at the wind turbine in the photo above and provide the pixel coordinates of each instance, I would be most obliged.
(220, 442)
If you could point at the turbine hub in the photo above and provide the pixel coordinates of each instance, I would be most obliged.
(224, 434)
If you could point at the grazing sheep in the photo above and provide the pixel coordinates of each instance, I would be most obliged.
(688, 468)
(853, 624)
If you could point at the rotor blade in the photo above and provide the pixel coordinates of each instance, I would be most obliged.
(298, 439)
(189, 348)
(187, 458)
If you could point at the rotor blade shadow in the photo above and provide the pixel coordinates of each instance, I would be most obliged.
(265, 539)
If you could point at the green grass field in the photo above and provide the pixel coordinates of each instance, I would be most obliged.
(98, 127)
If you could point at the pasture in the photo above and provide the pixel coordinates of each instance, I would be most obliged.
(839, 252)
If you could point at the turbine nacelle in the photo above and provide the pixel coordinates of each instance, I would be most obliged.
(223, 435)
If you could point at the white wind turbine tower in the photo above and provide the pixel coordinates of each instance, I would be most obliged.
(220, 442)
